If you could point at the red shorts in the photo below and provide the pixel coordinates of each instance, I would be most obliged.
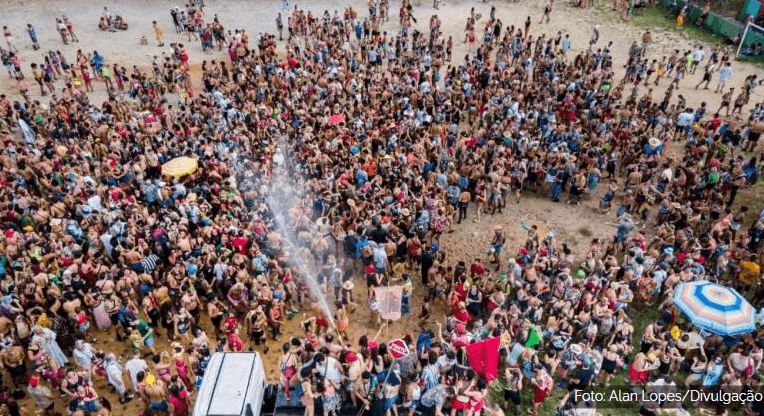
(637, 376)
(456, 404)
(539, 395)
(322, 323)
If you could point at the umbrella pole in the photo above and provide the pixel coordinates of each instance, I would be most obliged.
(388, 298)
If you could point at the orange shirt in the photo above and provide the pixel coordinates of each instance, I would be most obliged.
(370, 168)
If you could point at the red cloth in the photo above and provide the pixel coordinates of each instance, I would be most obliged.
(484, 358)
(461, 291)
(462, 315)
(179, 404)
(235, 343)
(240, 244)
(456, 404)
(637, 376)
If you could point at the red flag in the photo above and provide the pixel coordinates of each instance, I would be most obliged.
(484, 358)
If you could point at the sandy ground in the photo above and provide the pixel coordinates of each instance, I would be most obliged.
(259, 16)
(573, 225)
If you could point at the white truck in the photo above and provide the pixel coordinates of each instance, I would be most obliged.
(234, 384)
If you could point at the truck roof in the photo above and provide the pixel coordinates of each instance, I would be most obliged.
(227, 382)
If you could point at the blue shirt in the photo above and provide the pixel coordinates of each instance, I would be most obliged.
(149, 192)
(431, 376)
(712, 375)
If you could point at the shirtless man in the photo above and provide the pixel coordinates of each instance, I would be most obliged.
(191, 303)
(363, 389)
(156, 393)
(5, 326)
(463, 202)
(71, 307)
(634, 179)
(13, 360)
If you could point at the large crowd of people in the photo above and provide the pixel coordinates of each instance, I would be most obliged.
(395, 142)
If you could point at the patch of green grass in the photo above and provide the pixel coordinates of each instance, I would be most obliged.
(641, 315)
(728, 8)
(585, 232)
(657, 17)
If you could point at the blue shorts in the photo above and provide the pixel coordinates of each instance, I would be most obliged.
(149, 342)
(161, 406)
(90, 406)
(497, 249)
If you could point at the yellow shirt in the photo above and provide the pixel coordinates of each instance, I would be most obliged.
(749, 272)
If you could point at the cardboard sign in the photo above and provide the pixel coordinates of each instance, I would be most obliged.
(389, 299)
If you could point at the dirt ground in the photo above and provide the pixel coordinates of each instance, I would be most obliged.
(574, 225)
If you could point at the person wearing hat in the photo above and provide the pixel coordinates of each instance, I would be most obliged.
(497, 243)
(581, 378)
(42, 396)
(156, 392)
(114, 373)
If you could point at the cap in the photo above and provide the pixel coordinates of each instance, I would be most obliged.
(34, 381)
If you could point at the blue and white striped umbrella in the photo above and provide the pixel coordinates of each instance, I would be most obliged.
(715, 308)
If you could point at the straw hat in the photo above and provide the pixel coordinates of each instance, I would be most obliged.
(676, 205)
(576, 349)
(654, 142)
(405, 212)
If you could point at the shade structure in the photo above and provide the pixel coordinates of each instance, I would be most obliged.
(715, 308)
(336, 119)
(180, 166)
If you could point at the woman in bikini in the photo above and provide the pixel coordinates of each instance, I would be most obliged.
(288, 363)
(182, 321)
(307, 399)
(255, 322)
(162, 366)
(341, 318)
